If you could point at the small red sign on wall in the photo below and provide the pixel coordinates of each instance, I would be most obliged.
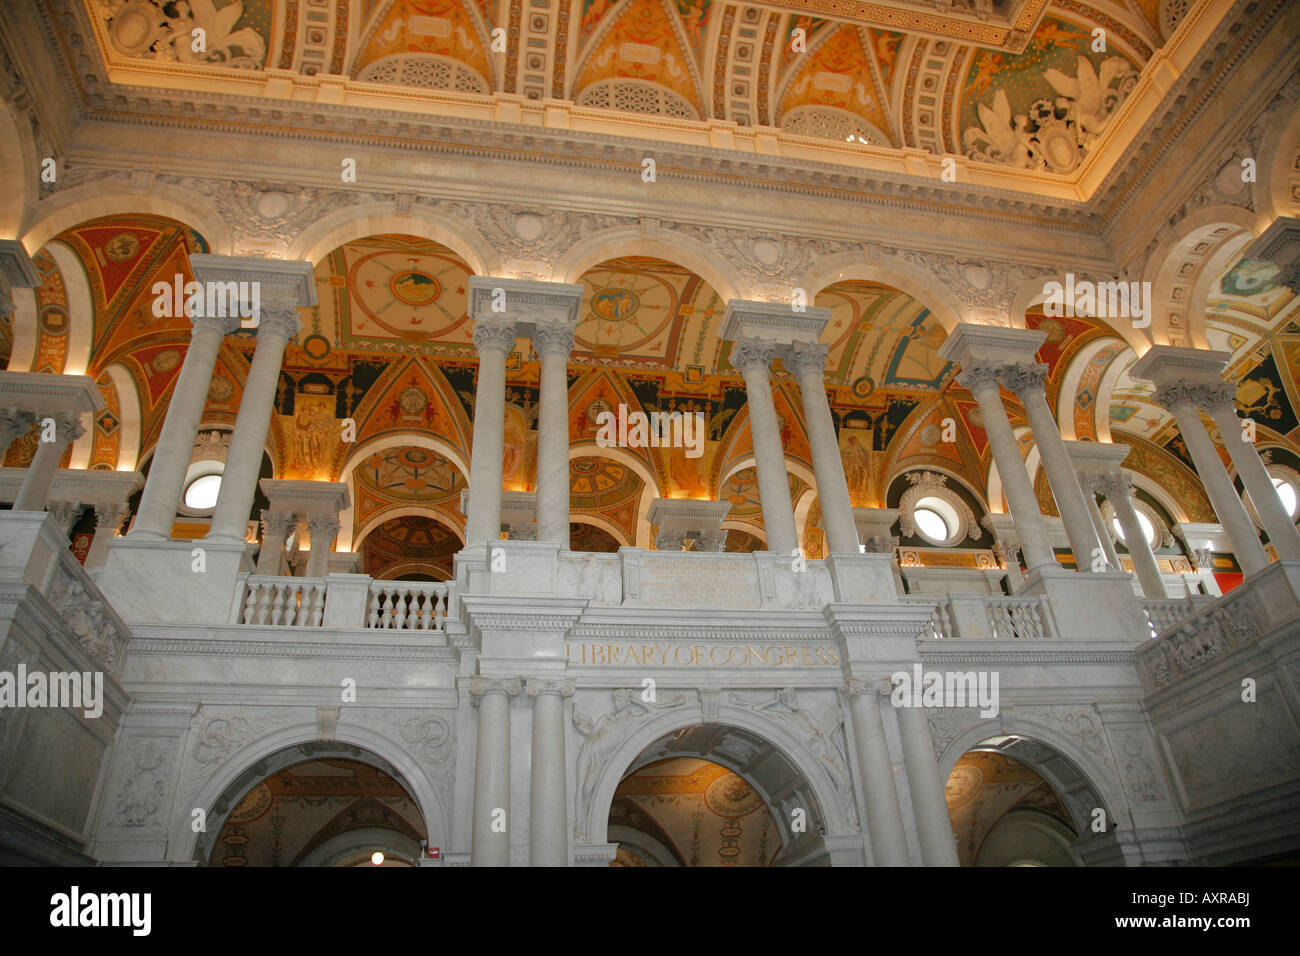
(435, 853)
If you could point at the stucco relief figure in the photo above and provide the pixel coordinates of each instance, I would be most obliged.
(222, 43)
(311, 443)
(857, 467)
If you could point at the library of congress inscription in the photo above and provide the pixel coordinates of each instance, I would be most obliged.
(703, 655)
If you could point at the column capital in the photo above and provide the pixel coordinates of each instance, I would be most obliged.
(1199, 394)
(979, 375)
(670, 540)
(560, 686)
(494, 334)
(279, 319)
(553, 338)
(277, 523)
(807, 357)
(749, 353)
(222, 325)
(322, 525)
(14, 422)
(857, 686)
(1025, 377)
(67, 426)
(109, 516)
(65, 513)
(713, 540)
(1114, 484)
(480, 687)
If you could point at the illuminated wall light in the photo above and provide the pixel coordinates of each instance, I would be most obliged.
(377, 858)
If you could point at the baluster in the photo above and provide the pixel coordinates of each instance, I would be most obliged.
(427, 612)
(250, 604)
(302, 613)
(439, 609)
(372, 607)
(314, 606)
(263, 604)
(277, 603)
(387, 620)
(412, 620)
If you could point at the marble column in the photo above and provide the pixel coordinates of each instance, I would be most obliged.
(490, 838)
(34, 493)
(1118, 490)
(66, 513)
(171, 456)
(276, 526)
(807, 360)
(1183, 399)
(1090, 490)
(493, 338)
(321, 529)
(108, 518)
(14, 424)
(982, 379)
(1252, 472)
(1028, 381)
(753, 359)
(548, 823)
(934, 826)
(884, 815)
(553, 341)
(248, 443)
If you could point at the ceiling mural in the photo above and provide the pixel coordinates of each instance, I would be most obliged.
(983, 787)
(1017, 84)
(410, 545)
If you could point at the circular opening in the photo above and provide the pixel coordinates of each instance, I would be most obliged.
(377, 858)
(1286, 491)
(936, 520)
(201, 495)
(1144, 522)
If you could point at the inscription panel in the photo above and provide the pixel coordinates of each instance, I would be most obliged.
(683, 580)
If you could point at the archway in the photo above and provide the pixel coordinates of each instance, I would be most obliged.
(715, 795)
(315, 804)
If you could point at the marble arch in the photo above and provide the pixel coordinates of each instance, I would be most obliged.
(920, 284)
(1279, 166)
(374, 445)
(902, 468)
(796, 468)
(604, 524)
(649, 489)
(230, 771)
(17, 151)
(674, 247)
(81, 309)
(1068, 393)
(79, 204)
(380, 218)
(593, 819)
(389, 514)
(129, 416)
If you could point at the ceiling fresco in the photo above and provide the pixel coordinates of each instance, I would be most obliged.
(1019, 83)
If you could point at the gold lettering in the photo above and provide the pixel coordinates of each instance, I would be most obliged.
(790, 653)
(632, 655)
(597, 648)
(760, 656)
(677, 654)
(646, 651)
(614, 653)
(806, 662)
(713, 654)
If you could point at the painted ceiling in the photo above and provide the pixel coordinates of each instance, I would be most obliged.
(389, 347)
(1016, 82)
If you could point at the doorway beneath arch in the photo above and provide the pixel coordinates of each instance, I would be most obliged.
(315, 805)
(713, 795)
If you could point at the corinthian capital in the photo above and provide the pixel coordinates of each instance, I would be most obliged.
(553, 338)
(279, 319)
(976, 376)
(276, 523)
(1025, 377)
(751, 353)
(222, 325)
(1197, 394)
(67, 427)
(13, 424)
(324, 526)
(807, 358)
(1114, 485)
(494, 335)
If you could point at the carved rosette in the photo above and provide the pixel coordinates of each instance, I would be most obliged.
(562, 686)
(553, 338)
(494, 335)
(749, 354)
(807, 358)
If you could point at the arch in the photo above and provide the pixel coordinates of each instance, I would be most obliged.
(1106, 392)
(675, 247)
(25, 328)
(923, 286)
(593, 818)
(361, 843)
(792, 466)
(81, 309)
(1278, 171)
(71, 207)
(1157, 491)
(901, 468)
(1068, 393)
(372, 445)
(649, 486)
(129, 417)
(389, 514)
(380, 218)
(613, 530)
(17, 152)
(1184, 267)
(230, 772)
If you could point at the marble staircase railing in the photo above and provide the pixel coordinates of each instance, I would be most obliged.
(407, 605)
(1226, 624)
(276, 601)
(343, 600)
(985, 616)
(1163, 615)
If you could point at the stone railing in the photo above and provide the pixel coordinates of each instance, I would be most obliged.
(1167, 614)
(1193, 643)
(939, 626)
(985, 616)
(407, 605)
(277, 601)
(1019, 618)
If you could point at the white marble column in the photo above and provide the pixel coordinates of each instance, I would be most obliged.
(934, 826)
(548, 822)
(1183, 399)
(884, 815)
(1254, 475)
(276, 526)
(1028, 382)
(322, 530)
(493, 338)
(171, 456)
(108, 518)
(982, 379)
(807, 360)
(1118, 490)
(34, 493)
(753, 359)
(489, 846)
(553, 341)
(248, 443)
(1090, 490)
(14, 424)
(66, 514)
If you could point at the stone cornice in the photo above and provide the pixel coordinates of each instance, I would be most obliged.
(269, 647)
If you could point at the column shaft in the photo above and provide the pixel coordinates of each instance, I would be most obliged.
(248, 443)
(884, 815)
(553, 344)
(1255, 479)
(754, 359)
(1139, 548)
(171, 456)
(1103, 535)
(934, 826)
(548, 822)
(34, 493)
(322, 529)
(493, 341)
(490, 839)
(808, 362)
(1223, 496)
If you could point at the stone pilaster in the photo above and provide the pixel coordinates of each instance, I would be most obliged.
(548, 824)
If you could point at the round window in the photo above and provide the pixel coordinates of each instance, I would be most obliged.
(201, 495)
(936, 520)
(1286, 491)
(1147, 528)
